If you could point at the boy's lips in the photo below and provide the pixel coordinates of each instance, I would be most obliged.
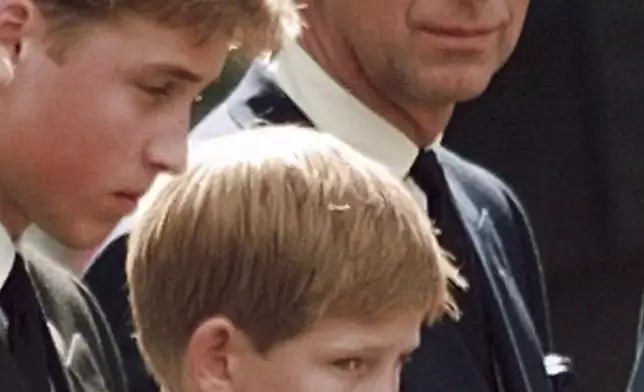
(127, 201)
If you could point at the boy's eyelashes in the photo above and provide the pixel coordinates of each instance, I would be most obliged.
(164, 90)
(157, 90)
(361, 365)
(350, 364)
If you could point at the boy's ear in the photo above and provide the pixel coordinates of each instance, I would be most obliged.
(14, 17)
(209, 355)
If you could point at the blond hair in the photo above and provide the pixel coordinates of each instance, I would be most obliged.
(275, 229)
(254, 26)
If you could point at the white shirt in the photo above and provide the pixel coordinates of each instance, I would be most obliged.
(7, 255)
(34, 244)
(333, 109)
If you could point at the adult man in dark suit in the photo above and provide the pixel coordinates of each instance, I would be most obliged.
(384, 77)
(94, 103)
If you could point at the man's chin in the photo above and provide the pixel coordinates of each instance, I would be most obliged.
(453, 86)
(458, 95)
(470, 95)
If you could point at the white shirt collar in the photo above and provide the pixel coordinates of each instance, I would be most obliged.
(7, 254)
(333, 109)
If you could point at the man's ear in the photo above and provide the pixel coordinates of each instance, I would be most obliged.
(14, 17)
(209, 355)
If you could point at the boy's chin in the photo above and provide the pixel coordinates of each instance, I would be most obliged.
(80, 235)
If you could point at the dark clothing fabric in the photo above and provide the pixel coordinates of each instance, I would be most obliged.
(28, 341)
(473, 326)
(106, 278)
(494, 225)
(636, 383)
(55, 334)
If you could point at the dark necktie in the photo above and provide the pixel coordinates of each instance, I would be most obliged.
(428, 174)
(28, 336)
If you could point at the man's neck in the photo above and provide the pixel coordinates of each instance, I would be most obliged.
(422, 124)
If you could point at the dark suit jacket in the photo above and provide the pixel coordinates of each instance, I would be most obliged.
(637, 378)
(497, 226)
(86, 349)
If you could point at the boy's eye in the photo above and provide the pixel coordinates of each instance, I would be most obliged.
(156, 90)
(350, 364)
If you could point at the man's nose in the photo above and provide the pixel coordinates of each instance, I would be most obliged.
(166, 151)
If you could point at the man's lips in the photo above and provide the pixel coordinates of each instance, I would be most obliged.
(460, 31)
(467, 38)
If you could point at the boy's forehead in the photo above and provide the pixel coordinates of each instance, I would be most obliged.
(154, 48)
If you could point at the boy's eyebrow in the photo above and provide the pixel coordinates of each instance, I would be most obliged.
(174, 71)
(359, 345)
(373, 344)
(371, 349)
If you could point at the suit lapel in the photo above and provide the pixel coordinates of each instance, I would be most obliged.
(12, 378)
(59, 373)
(636, 382)
(515, 340)
(258, 99)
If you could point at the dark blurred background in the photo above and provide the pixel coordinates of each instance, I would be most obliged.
(563, 124)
